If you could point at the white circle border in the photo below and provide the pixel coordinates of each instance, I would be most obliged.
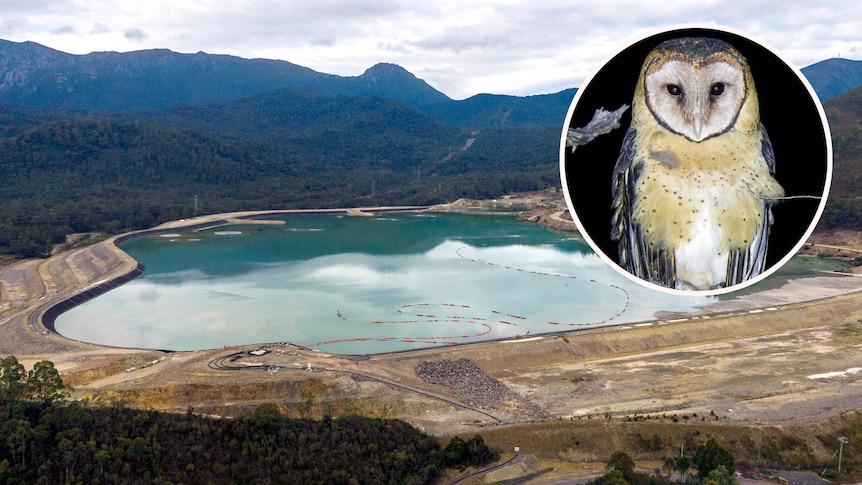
(826, 133)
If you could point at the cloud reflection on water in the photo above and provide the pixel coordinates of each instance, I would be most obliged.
(465, 289)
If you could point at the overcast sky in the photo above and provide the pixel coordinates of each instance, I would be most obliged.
(460, 47)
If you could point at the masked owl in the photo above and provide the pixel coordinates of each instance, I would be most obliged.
(693, 185)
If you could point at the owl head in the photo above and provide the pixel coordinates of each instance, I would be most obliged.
(695, 87)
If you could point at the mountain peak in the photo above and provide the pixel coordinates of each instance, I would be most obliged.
(831, 77)
(391, 78)
(386, 69)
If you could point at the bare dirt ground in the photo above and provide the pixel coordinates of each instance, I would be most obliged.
(785, 357)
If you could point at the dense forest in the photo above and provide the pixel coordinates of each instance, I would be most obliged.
(48, 440)
(844, 208)
(114, 172)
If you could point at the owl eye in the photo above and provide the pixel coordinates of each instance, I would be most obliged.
(674, 90)
(716, 89)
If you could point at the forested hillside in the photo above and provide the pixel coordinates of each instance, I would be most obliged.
(78, 171)
(844, 208)
(47, 440)
(69, 443)
(81, 171)
(494, 110)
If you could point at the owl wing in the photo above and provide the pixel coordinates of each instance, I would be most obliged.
(652, 264)
(749, 262)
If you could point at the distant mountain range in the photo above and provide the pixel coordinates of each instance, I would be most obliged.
(35, 75)
(116, 141)
(844, 209)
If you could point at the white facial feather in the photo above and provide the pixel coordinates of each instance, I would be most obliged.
(697, 102)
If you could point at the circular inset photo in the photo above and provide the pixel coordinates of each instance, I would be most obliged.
(696, 159)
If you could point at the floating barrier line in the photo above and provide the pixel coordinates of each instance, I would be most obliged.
(472, 320)
(624, 308)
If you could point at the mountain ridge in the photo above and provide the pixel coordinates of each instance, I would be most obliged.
(36, 75)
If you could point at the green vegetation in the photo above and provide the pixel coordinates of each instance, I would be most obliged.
(280, 150)
(42, 384)
(844, 208)
(473, 452)
(621, 471)
(721, 476)
(715, 467)
(47, 440)
(711, 456)
(83, 170)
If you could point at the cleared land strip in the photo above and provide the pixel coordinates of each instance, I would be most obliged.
(223, 363)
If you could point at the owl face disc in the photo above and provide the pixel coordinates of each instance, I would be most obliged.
(695, 87)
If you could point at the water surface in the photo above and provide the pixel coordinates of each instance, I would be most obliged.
(362, 285)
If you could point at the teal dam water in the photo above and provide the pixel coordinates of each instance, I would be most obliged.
(362, 285)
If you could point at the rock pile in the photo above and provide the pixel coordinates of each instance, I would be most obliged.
(474, 386)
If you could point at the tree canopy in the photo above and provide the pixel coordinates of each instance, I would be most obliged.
(710, 456)
(288, 149)
(42, 383)
(45, 439)
(621, 461)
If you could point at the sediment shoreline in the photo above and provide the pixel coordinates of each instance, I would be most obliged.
(550, 218)
(87, 292)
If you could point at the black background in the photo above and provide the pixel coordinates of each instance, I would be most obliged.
(787, 111)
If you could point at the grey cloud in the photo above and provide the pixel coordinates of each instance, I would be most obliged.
(389, 47)
(324, 41)
(30, 7)
(350, 9)
(99, 29)
(8, 27)
(135, 34)
(459, 39)
(66, 29)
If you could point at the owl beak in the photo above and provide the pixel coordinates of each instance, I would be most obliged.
(697, 111)
(697, 128)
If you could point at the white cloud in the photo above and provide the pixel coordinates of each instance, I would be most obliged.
(460, 47)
